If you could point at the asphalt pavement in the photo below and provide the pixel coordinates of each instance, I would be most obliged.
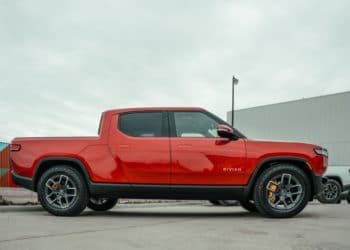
(183, 225)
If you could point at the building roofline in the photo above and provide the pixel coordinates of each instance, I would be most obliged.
(296, 100)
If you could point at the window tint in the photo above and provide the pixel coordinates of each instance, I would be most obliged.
(141, 124)
(195, 124)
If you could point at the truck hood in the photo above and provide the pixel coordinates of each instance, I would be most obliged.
(265, 148)
(282, 142)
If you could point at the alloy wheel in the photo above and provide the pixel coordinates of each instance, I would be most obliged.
(60, 191)
(330, 191)
(284, 191)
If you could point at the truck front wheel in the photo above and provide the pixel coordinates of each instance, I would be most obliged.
(62, 191)
(282, 191)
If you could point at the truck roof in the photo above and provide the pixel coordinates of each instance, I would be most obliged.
(152, 109)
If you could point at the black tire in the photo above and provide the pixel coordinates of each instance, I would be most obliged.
(331, 193)
(266, 206)
(249, 206)
(101, 204)
(348, 197)
(76, 184)
(224, 202)
(214, 202)
(228, 203)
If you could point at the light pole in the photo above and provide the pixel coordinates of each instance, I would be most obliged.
(234, 82)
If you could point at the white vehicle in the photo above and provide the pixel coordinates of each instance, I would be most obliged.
(337, 186)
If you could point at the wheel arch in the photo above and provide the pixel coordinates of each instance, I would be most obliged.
(271, 161)
(48, 162)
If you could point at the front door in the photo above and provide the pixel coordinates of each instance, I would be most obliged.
(199, 156)
(140, 147)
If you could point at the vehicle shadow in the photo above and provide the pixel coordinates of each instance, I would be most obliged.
(187, 214)
(167, 212)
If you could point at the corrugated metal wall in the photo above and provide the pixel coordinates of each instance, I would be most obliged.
(5, 176)
(323, 120)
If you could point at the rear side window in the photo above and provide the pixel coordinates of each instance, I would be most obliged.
(142, 124)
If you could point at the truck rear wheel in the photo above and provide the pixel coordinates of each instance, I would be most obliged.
(62, 191)
(282, 191)
(101, 204)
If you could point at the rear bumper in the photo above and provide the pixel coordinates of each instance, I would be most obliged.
(22, 181)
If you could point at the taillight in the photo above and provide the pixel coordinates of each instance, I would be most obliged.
(15, 147)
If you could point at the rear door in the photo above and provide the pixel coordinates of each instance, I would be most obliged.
(140, 146)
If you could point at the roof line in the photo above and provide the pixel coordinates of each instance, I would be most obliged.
(296, 100)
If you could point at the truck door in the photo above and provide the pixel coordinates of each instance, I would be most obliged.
(199, 156)
(139, 143)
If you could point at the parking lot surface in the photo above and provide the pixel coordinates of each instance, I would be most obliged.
(174, 226)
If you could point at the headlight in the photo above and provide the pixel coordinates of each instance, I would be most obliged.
(321, 151)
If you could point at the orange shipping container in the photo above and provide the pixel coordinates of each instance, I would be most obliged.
(5, 175)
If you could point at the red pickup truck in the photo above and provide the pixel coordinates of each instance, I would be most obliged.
(167, 153)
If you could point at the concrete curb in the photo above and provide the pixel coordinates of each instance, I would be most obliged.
(17, 196)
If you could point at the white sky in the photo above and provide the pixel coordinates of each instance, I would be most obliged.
(63, 62)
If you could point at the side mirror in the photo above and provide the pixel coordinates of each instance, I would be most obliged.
(225, 131)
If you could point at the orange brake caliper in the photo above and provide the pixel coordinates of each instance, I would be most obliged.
(272, 188)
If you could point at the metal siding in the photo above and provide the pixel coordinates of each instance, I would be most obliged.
(323, 120)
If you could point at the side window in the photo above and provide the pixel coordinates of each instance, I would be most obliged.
(195, 124)
(142, 124)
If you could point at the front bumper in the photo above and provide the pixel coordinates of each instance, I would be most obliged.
(22, 181)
